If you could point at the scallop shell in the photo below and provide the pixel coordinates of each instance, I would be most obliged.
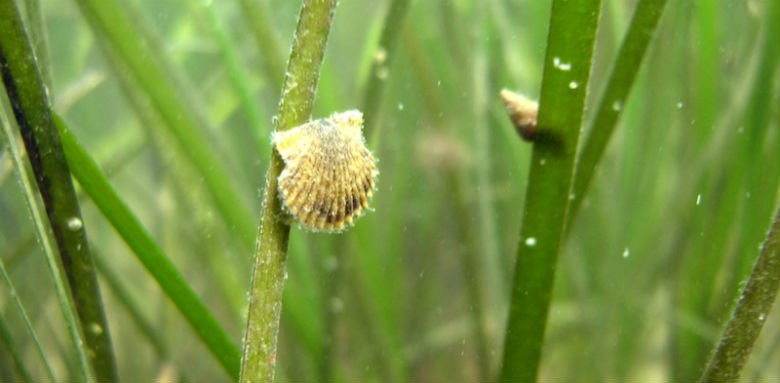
(329, 174)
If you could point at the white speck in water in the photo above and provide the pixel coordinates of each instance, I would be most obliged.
(530, 242)
(626, 253)
(698, 199)
(762, 317)
(561, 65)
(741, 130)
(74, 223)
(680, 105)
(574, 85)
(380, 56)
(747, 195)
(438, 83)
(572, 197)
(400, 106)
(542, 162)
(95, 328)
(617, 105)
(382, 72)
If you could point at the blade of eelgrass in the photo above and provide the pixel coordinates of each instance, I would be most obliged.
(751, 312)
(258, 18)
(8, 341)
(147, 64)
(377, 77)
(26, 320)
(149, 253)
(52, 262)
(610, 106)
(300, 85)
(571, 38)
(30, 104)
(122, 294)
(238, 79)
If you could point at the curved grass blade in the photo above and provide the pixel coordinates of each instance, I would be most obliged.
(30, 105)
(303, 69)
(571, 38)
(149, 253)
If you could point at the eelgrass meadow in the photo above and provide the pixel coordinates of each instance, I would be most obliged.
(142, 237)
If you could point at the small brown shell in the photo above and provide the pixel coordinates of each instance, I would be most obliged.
(329, 174)
(522, 111)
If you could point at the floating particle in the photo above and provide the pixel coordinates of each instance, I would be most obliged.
(530, 242)
(522, 111)
(617, 106)
(329, 174)
(626, 253)
(74, 223)
(574, 85)
(698, 199)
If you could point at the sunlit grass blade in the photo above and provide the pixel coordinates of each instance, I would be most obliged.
(265, 295)
(149, 253)
(148, 66)
(27, 323)
(570, 43)
(29, 101)
(610, 106)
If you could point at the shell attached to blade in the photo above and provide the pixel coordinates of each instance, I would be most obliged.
(328, 174)
(522, 111)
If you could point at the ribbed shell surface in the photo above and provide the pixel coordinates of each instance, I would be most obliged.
(329, 173)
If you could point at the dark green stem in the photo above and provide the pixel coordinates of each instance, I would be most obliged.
(265, 299)
(750, 314)
(30, 104)
(566, 73)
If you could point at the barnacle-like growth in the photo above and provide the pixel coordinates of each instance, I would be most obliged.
(522, 111)
(329, 174)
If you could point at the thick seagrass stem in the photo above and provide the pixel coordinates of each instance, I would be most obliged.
(265, 300)
(31, 108)
(750, 314)
(571, 38)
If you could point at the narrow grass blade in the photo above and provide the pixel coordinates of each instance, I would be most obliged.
(26, 319)
(52, 262)
(147, 64)
(30, 105)
(8, 341)
(149, 253)
(265, 296)
(566, 73)
(377, 78)
(751, 312)
(610, 106)
(258, 17)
